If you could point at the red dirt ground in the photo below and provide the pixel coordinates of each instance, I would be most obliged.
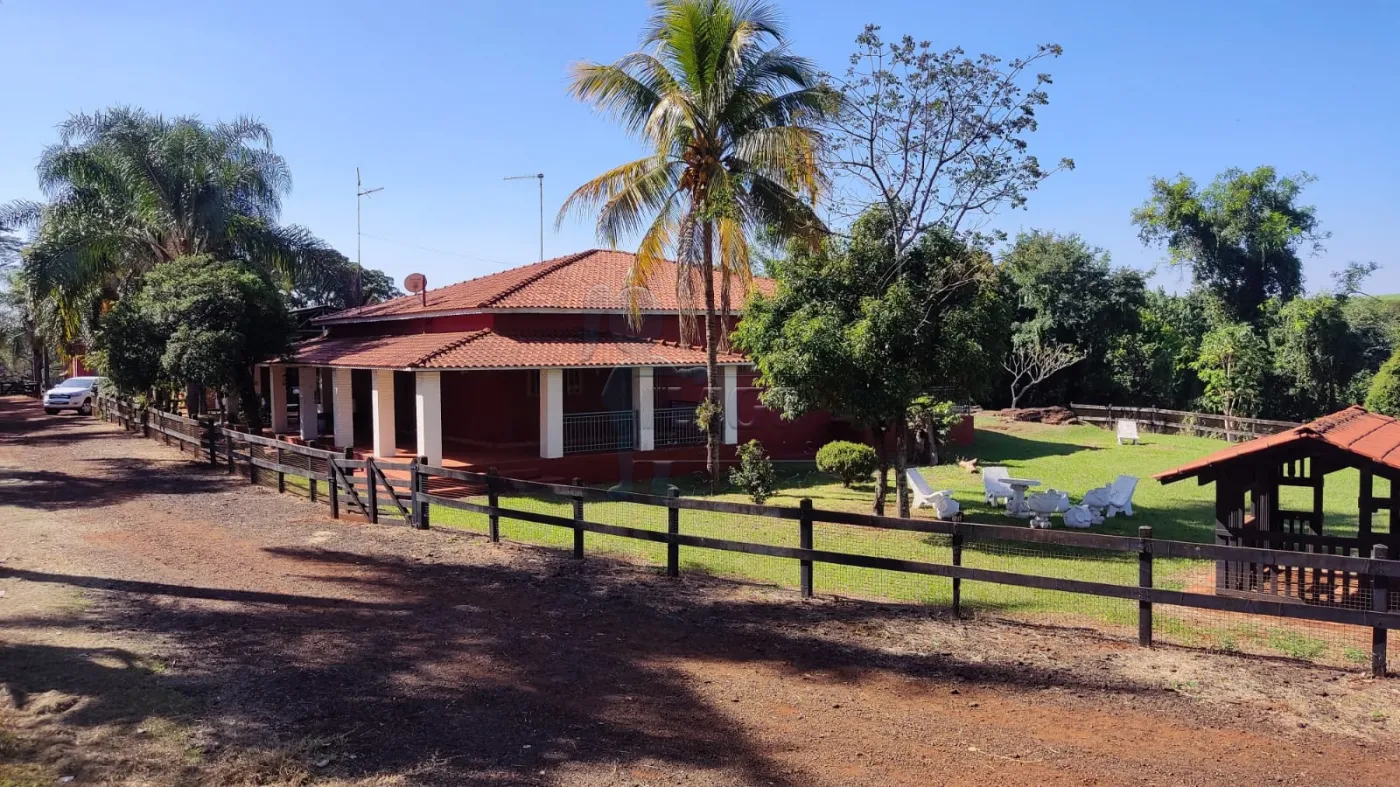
(162, 623)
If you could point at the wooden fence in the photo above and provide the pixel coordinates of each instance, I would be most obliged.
(408, 491)
(1153, 419)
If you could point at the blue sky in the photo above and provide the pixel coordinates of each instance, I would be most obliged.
(438, 101)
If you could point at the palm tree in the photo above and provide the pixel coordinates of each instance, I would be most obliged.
(128, 190)
(726, 112)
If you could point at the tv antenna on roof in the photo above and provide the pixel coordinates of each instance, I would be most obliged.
(540, 178)
(360, 191)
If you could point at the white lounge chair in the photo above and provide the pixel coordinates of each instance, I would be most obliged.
(994, 484)
(942, 502)
(1120, 498)
(922, 492)
(1127, 430)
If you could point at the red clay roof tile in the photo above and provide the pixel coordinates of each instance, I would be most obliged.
(1355, 430)
(487, 349)
(594, 280)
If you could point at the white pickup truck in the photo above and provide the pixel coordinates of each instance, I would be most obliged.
(77, 393)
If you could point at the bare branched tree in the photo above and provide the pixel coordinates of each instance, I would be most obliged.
(1032, 363)
(936, 138)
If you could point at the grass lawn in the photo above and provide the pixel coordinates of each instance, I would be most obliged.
(1069, 458)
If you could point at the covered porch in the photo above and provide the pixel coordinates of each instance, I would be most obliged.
(587, 397)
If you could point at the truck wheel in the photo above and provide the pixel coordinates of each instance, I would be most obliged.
(85, 409)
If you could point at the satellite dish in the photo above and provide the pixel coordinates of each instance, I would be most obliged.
(417, 283)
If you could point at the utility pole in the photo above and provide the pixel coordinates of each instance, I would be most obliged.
(540, 178)
(360, 191)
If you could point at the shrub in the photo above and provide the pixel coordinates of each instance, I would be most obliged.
(848, 461)
(755, 473)
(1384, 396)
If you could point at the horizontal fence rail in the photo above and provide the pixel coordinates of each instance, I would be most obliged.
(1153, 419)
(409, 491)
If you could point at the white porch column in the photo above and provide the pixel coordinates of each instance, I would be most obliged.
(382, 415)
(344, 409)
(551, 413)
(643, 403)
(308, 380)
(277, 399)
(731, 404)
(428, 406)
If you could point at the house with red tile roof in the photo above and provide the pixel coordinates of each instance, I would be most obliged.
(536, 371)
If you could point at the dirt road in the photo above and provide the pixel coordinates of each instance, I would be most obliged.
(162, 623)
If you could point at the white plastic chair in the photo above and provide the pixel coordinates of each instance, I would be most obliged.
(1127, 430)
(994, 484)
(923, 493)
(1120, 498)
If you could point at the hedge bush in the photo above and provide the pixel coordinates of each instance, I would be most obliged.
(851, 462)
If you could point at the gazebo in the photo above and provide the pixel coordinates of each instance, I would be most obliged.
(1248, 511)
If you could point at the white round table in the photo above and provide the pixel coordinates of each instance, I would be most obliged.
(1016, 504)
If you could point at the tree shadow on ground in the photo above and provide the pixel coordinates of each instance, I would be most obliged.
(482, 673)
(994, 447)
(110, 481)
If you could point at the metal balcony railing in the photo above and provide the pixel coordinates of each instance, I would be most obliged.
(677, 426)
(610, 430)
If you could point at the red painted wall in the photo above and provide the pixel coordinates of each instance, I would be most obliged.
(490, 409)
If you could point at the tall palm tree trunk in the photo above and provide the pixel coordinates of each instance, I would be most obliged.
(712, 434)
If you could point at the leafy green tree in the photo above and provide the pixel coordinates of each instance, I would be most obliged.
(1154, 365)
(1315, 354)
(1241, 235)
(726, 111)
(196, 321)
(850, 333)
(1068, 294)
(128, 191)
(1232, 365)
(1384, 394)
(334, 286)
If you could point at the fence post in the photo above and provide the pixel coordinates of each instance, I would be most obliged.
(333, 486)
(673, 529)
(1380, 602)
(372, 491)
(212, 433)
(252, 466)
(493, 499)
(281, 476)
(145, 423)
(957, 543)
(416, 488)
(228, 444)
(1145, 581)
(578, 517)
(804, 540)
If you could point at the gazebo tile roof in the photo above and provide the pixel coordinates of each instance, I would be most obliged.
(1356, 430)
